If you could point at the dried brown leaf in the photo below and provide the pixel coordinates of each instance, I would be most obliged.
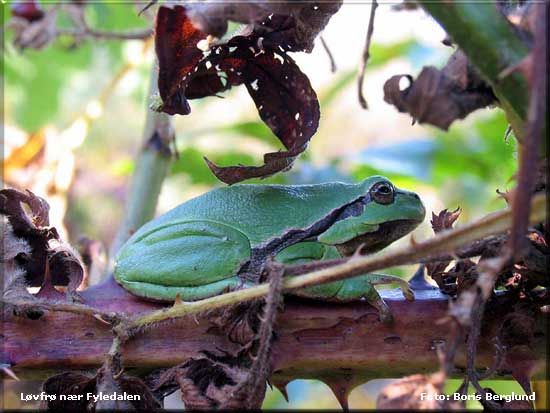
(308, 19)
(35, 33)
(47, 250)
(439, 97)
(444, 220)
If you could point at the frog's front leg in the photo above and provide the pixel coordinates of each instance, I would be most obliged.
(363, 287)
(351, 289)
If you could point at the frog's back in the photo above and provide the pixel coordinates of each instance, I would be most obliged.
(262, 211)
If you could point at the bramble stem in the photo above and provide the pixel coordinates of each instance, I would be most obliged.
(492, 45)
(151, 167)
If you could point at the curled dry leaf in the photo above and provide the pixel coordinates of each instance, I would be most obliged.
(309, 18)
(32, 27)
(240, 323)
(208, 382)
(444, 220)
(46, 252)
(283, 95)
(439, 97)
(77, 386)
(13, 250)
(68, 383)
(440, 222)
(28, 10)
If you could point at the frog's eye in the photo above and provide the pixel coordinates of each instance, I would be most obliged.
(383, 193)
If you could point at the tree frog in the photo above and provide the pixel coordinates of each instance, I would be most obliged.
(221, 240)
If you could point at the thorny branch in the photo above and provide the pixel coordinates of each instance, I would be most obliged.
(522, 210)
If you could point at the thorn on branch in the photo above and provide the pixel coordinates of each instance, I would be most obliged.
(6, 369)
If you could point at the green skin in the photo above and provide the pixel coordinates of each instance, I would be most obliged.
(221, 241)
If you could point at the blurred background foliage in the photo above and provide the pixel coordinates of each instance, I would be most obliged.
(74, 114)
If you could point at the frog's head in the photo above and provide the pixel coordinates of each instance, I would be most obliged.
(392, 213)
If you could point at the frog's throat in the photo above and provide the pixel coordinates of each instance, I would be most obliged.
(370, 242)
(254, 267)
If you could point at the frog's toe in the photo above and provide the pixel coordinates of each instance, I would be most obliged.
(385, 317)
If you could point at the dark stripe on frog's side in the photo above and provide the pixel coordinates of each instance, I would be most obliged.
(371, 242)
(272, 247)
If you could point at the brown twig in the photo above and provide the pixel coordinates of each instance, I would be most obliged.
(497, 364)
(366, 55)
(529, 154)
(66, 307)
(471, 350)
(333, 67)
(261, 369)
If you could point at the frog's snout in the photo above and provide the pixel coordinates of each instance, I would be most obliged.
(421, 208)
(412, 207)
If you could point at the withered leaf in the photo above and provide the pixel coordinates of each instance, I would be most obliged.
(28, 10)
(240, 323)
(284, 97)
(28, 228)
(134, 385)
(13, 250)
(440, 222)
(444, 220)
(439, 97)
(78, 384)
(176, 40)
(68, 383)
(308, 18)
(208, 382)
(32, 27)
(47, 250)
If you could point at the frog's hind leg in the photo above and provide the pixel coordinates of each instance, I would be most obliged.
(195, 259)
(168, 293)
(158, 292)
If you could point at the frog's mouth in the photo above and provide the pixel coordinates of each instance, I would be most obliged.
(370, 242)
